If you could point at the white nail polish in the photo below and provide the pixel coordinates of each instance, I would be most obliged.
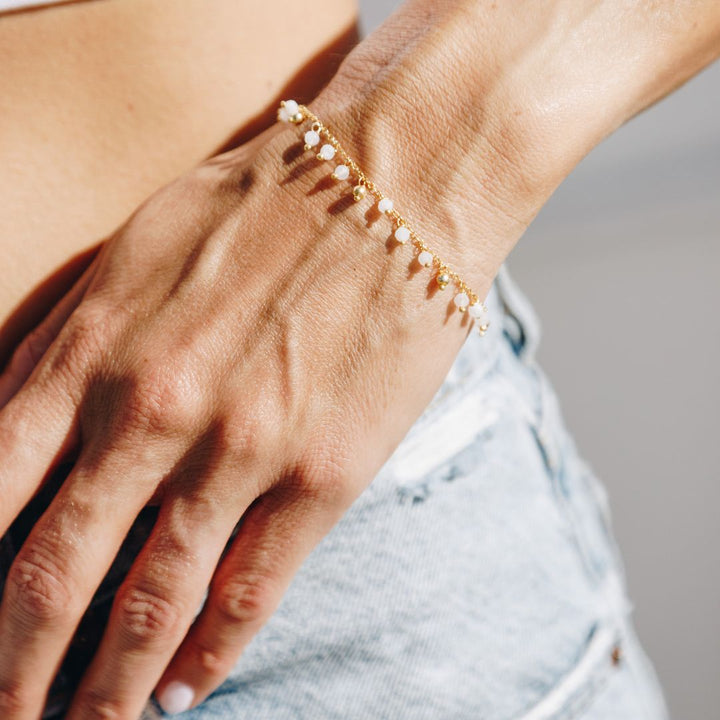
(177, 697)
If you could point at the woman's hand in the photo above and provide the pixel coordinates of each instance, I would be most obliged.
(252, 345)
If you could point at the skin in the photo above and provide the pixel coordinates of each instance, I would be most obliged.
(85, 136)
(250, 344)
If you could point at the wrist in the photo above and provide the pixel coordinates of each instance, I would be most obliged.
(465, 180)
(471, 114)
(438, 114)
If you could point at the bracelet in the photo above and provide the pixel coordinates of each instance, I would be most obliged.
(465, 299)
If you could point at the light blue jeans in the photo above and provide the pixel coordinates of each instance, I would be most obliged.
(476, 578)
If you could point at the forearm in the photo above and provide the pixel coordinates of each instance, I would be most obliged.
(471, 113)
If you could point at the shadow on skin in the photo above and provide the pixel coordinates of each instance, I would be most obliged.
(307, 82)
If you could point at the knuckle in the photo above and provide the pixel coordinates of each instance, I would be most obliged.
(164, 401)
(98, 705)
(36, 343)
(37, 586)
(31, 350)
(13, 434)
(174, 547)
(144, 617)
(242, 436)
(323, 473)
(247, 600)
(211, 662)
(239, 439)
(14, 700)
(86, 334)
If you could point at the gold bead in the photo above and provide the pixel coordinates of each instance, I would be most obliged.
(443, 280)
(297, 118)
(359, 192)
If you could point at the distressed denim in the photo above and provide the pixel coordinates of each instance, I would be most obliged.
(475, 578)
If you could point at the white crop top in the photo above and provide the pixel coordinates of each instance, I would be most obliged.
(12, 4)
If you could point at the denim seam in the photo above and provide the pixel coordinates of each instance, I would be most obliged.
(580, 687)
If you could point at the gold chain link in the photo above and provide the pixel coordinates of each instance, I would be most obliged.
(303, 114)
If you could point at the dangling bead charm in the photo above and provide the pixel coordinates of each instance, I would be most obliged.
(359, 192)
(402, 234)
(385, 205)
(479, 313)
(327, 147)
(443, 280)
(425, 258)
(288, 111)
(327, 152)
(461, 300)
(312, 138)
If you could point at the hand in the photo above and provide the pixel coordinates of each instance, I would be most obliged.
(234, 351)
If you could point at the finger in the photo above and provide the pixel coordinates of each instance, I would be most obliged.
(58, 569)
(157, 602)
(277, 534)
(32, 348)
(37, 428)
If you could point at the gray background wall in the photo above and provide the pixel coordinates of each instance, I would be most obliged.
(623, 265)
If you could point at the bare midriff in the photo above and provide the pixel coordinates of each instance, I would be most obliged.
(103, 102)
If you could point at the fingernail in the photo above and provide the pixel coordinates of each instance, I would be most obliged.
(177, 697)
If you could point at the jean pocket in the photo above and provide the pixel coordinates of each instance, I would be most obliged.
(577, 691)
(527, 629)
(521, 325)
(433, 451)
(579, 495)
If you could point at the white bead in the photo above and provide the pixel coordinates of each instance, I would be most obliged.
(461, 300)
(385, 205)
(327, 152)
(283, 115)
(290, 107)
(312, 138)
(341, 172)
(478, 313)
(476, 310)
(402, 234)
(425, 258)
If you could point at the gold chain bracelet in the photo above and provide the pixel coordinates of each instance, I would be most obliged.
(465, 299)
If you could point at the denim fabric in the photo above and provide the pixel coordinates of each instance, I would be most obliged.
(476, 577)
